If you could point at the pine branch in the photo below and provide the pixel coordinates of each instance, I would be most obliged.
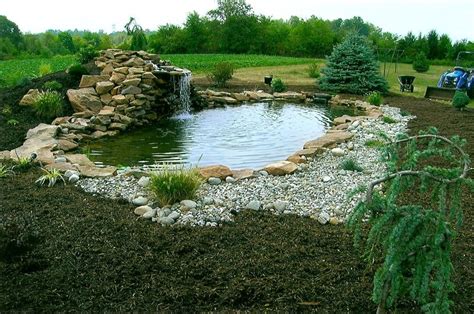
(422, 173)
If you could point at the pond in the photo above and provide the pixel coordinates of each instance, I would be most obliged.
(245, 136)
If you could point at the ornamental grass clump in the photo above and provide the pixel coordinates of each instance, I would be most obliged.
(351, 165)
(374, 98)
(172, 184)
(48, 105)
(409, 241)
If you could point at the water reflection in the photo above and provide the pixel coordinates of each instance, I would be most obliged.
(246, 136)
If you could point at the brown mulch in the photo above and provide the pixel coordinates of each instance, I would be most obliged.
(64, 250)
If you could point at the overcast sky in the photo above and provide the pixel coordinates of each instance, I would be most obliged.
(453, 17)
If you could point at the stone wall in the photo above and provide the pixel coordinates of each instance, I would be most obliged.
(134, 88)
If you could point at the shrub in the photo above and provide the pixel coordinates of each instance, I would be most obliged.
(389, 120)
(53, 85)
(174, 184)
(409, 241)
(77, 70)
(374, 98)
(221, 73)
(44, 69)
(87, 54)
(7, 111)
(421, 63)
(460, 100)
(351, 165)
(22, 164)
(5, 171)
(48, 105)
(278, 85)
(352, 68)
(313, 70)
(12, 122)
(51, 177)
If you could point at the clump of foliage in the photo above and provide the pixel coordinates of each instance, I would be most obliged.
(351, 165)
(51, 177)
(278, 85)
(77, 70)
(352, 68)
(411, 242)
(174, 184)
(374, 143)
(460, 100)
(22, 163)
(7, 111)
(421, 63)
(12, 122)
(404, 113)
(5, 171)
(374, 98)
(87, 54)
(221, 73)
(313, 70)
(139, 41)
(44, 68)
(53, 85)
(48, 105)
(389, 120)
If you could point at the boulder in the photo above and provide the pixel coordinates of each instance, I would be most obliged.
(290, 95)
(117, 77)
(119, 100)
(217, 171)
(107, 70)
(84, 99)
(329, 139)
(131, 82)
(91, 80)
(297, 159)
(96, 172)
(258, 95)
(131, 90)
(106, 99)
(117, 126)
(281, 168)
(240, 97)
(243, 174)
(66, 145)
(104, 87)
(29, 98)
(79, 160)
(310, 152)
(223, 100)
(107, 111)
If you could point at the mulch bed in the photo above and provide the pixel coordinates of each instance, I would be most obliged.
(75, 251)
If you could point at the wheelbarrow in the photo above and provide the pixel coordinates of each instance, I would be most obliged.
(406, 83)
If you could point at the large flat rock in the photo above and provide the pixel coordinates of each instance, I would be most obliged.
(281, 168)
(329, 139)
(92, 80)
(84, 99)
(217, 171)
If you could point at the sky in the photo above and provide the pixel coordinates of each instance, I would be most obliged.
(454, 18)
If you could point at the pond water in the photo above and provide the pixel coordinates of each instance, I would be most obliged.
(246, 136)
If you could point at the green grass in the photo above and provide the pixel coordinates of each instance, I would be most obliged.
(374, 143)
(351, 165)
(13, 71)
(200, 63)
(171, 185)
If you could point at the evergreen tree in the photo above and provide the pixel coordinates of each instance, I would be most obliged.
(353, 68)
(139, 41)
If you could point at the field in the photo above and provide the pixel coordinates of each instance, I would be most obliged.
(13, 71)
(250, 70)
(201, 63)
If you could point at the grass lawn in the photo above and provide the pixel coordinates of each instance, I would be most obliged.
(13, 71)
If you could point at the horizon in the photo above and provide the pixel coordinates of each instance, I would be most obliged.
(370, 11)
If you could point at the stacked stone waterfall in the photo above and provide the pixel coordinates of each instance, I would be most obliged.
(133, 88)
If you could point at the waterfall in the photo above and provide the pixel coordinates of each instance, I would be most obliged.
(185, 92)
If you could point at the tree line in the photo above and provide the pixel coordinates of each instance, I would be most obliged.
(234, 27)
